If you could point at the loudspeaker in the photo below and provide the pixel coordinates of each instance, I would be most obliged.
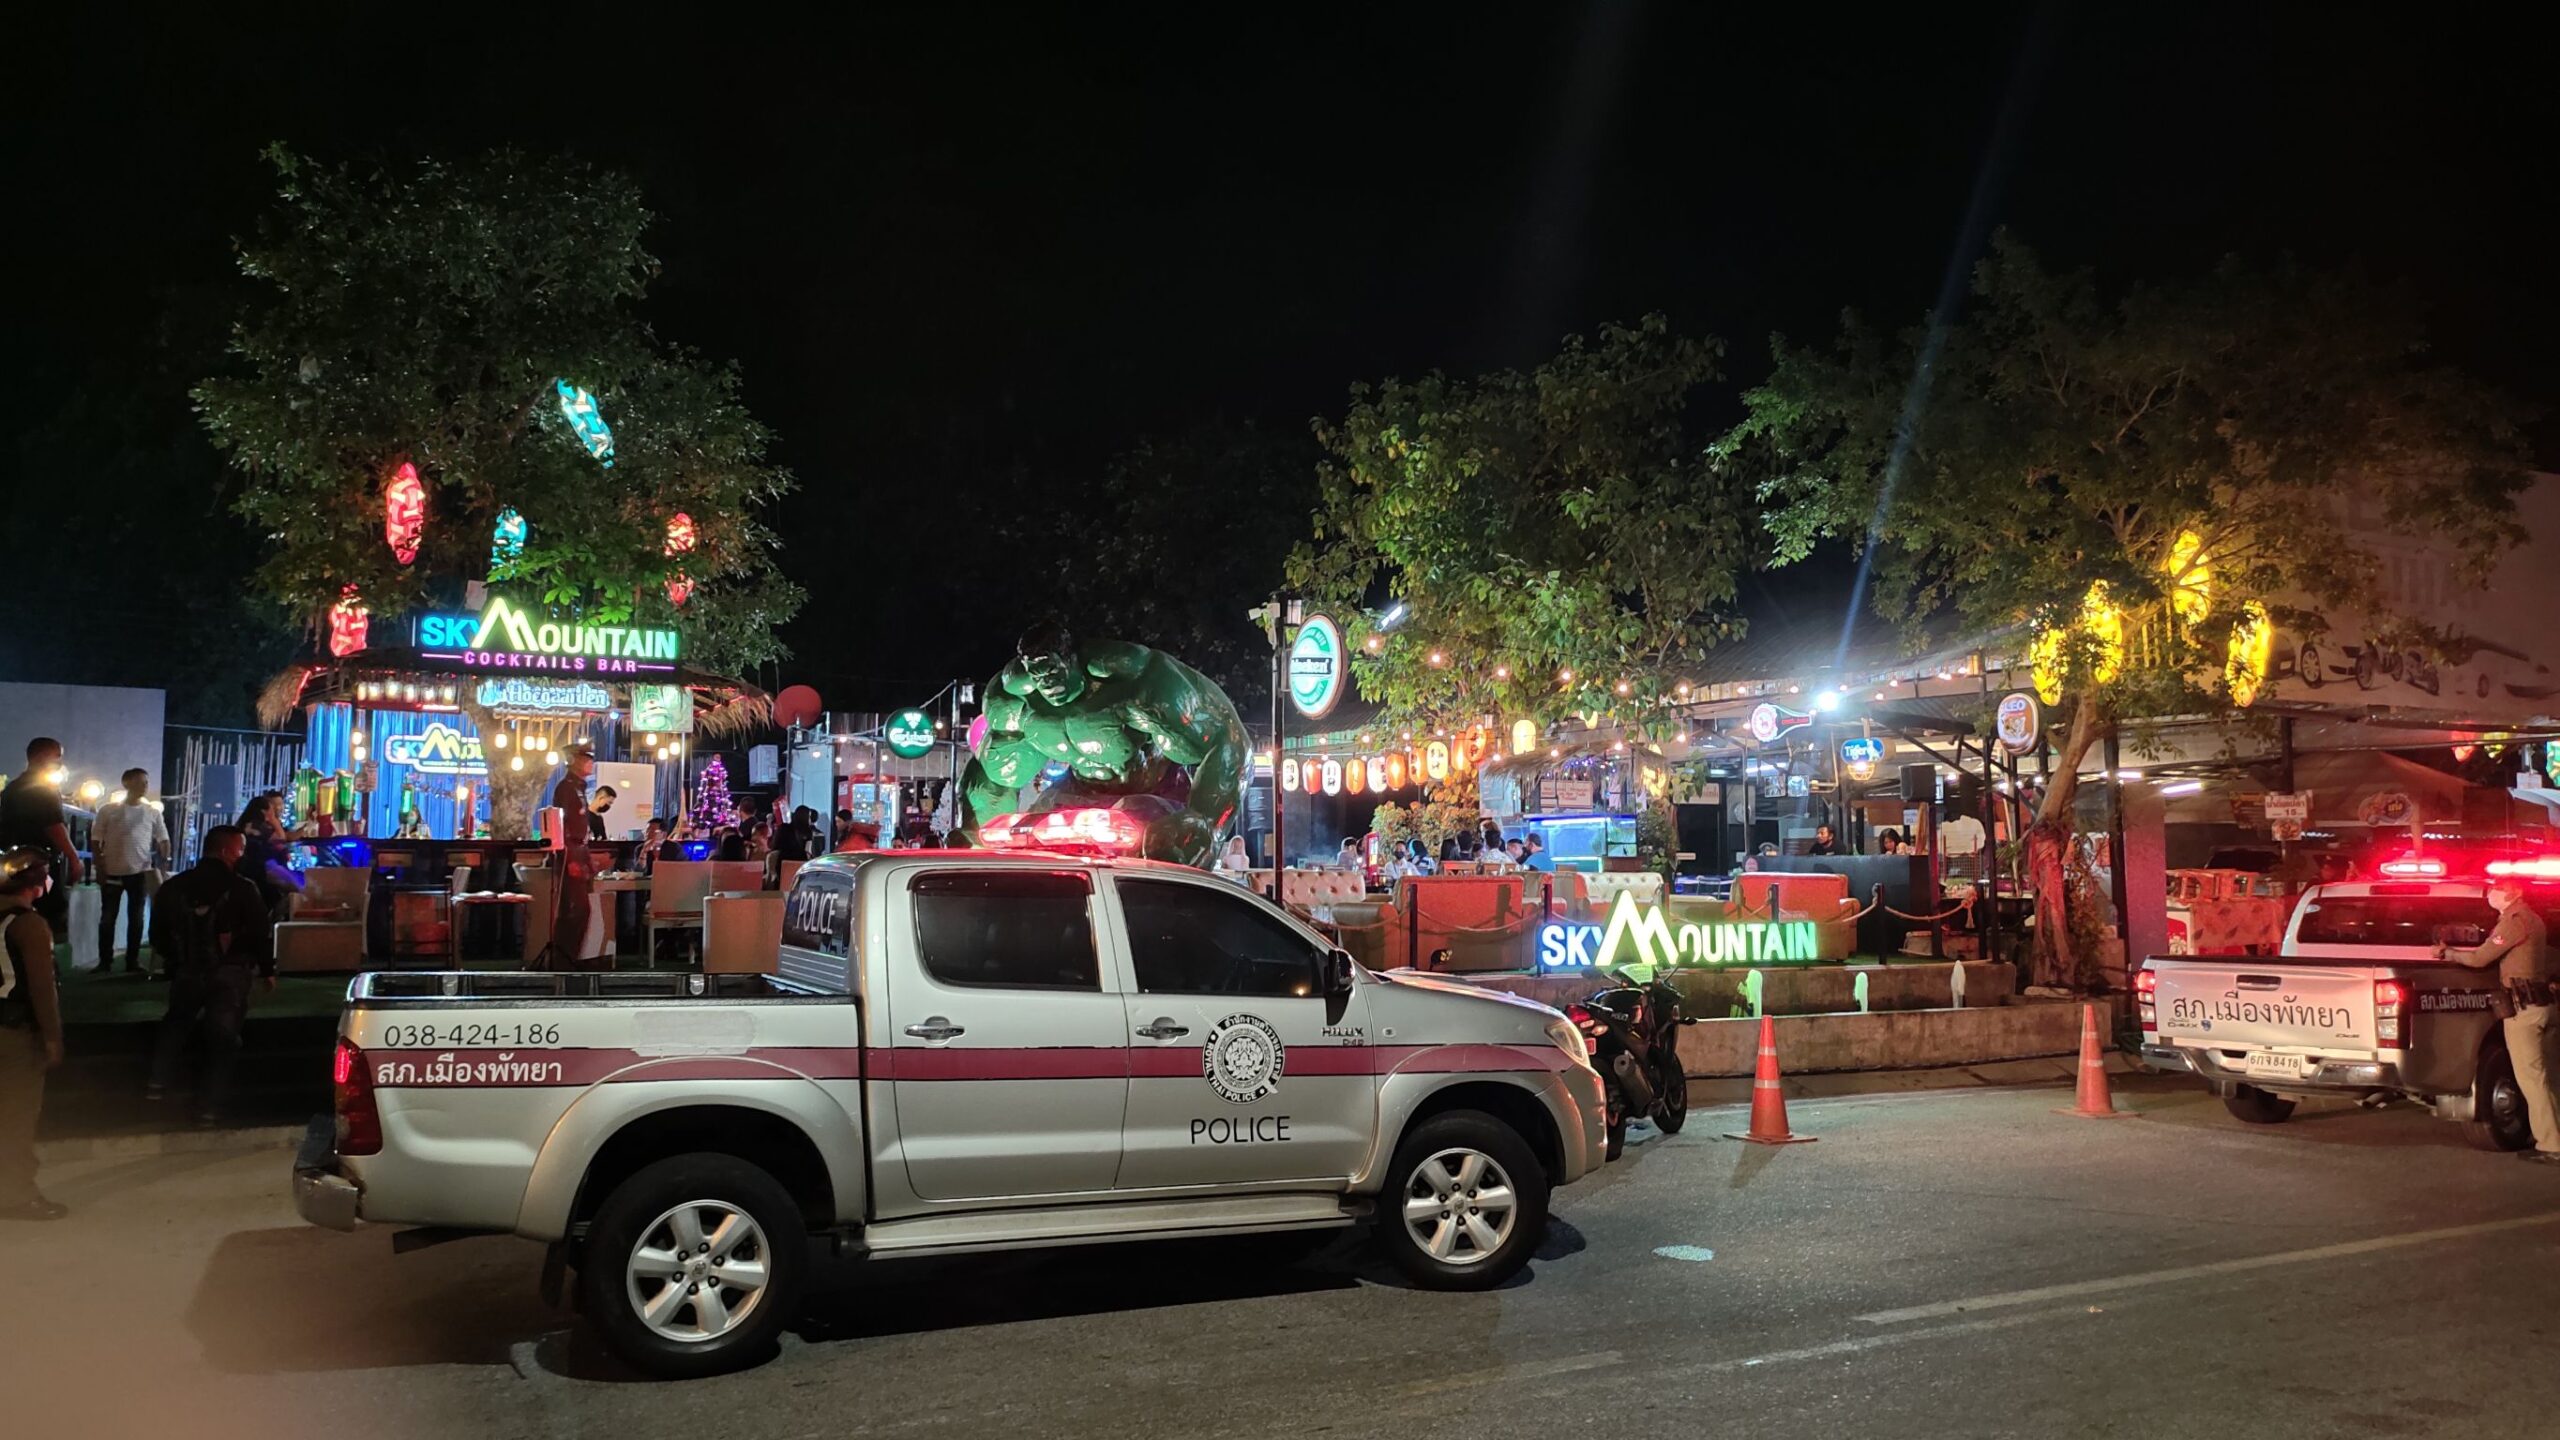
(1919, 783)
(218, 792)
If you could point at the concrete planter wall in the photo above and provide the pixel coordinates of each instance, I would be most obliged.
(1809, 990)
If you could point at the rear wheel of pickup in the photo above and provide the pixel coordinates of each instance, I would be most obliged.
(2498, 1117)
(694, 1265)
(2258, 1107)
(1465, 1204)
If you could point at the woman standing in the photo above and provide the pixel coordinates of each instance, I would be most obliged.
(263, 826)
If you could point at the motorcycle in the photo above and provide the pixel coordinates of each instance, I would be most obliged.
(1633, 1029)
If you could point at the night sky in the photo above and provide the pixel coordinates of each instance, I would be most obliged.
(948, 246)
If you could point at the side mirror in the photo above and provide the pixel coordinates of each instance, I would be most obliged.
(1334, 969)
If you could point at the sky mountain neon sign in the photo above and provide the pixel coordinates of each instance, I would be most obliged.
(504, 637)
(1638, 934)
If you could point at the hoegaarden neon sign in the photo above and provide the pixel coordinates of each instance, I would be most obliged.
(1638, 934)
(504, 637)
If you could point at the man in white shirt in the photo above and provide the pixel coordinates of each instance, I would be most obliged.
(1960, 836)
(129, 842)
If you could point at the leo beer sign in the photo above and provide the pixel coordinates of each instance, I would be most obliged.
(2019, 722)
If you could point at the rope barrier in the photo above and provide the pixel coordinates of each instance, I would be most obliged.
(1957, 908)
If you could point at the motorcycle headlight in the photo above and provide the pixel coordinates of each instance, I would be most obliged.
(1569, 1040)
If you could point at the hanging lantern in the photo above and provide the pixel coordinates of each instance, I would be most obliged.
(680, 541)
(1377, 768)
(1524, 736)
(1355, 777)
(348, 622)
(1395, 772)
(506, 539)
(1332, 777)
(579, 408)
(404, 513)
(1289, 775)
(1435, 760)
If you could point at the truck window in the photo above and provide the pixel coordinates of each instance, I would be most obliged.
(1013, 930)
(2394, 919)
(1202, 940)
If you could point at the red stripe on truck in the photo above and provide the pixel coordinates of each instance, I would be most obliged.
(537, 1069)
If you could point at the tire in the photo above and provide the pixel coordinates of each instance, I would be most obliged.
(1671, 1105)
(628, 1250)
(1431, 1167)
(2257, 1106)
(2498, 1102)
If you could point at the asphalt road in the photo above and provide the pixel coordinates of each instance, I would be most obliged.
(1961, 1263)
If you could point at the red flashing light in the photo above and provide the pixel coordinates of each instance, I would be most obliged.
(2414, 869)
(2538, 867)
(1113, 832)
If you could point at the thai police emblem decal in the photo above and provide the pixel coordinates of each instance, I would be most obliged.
(1242, 1059)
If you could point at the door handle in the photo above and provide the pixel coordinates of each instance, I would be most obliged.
(934, 1027)
(1163, 1029)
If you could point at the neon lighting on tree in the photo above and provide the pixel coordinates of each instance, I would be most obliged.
(404, 513)
(680, 541)
(348, 623)
(506, 538)
(580, 409)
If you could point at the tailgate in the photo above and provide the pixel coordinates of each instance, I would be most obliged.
(2244, 1006)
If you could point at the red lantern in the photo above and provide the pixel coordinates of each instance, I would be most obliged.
(348, 622)
(680, 541)
(404, 513)
(1395, 772)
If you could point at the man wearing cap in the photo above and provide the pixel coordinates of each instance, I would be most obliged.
(30, 1028)
(2520, 948)
(577, 874)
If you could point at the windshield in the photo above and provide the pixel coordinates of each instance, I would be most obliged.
(2416, 920)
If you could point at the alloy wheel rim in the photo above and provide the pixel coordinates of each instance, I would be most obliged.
(1459, 1206)
(698, 1271)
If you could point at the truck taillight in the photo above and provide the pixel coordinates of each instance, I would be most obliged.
(359, 1122)
(2146, 999)
(2390, 1015)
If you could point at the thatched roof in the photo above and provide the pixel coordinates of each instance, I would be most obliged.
(722, 706)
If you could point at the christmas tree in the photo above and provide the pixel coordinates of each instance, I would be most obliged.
(712, 805)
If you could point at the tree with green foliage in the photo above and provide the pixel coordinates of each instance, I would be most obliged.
(424, 315)
(2138, 484)
(1554, 536)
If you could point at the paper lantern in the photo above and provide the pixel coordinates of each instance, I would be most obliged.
(348, 623)
(1377, 768)
(506, 538)
(1395, 772)
(1435, 760)
(1355, 778)
(1524, 736)
(1289, 775)
(1332, 777)
(681, 538)
(404, 513)
(579, 408)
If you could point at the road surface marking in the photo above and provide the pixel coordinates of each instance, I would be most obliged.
(2078, 1288)
(1526, 1370)
(1684, 1252)
(1865, 1343)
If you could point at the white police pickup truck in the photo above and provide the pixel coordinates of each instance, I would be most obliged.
(960, 1052)
(2355, 1005)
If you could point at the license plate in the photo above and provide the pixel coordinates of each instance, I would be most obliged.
(2289, 1067)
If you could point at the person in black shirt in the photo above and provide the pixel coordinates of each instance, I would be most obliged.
(262, 844)
(1824, 842)
(31, 818)
(30, 1029)
(605, 797)
(210, 929)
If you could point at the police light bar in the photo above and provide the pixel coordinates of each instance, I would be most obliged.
(2416, 869)
(2538, 867)
(1103, 831)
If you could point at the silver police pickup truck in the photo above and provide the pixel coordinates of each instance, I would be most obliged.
(958, 1052)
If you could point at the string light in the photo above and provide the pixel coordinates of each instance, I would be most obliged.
(1375, 644)
(1439, 659)
(515, 762)
(1501, 672)
(499, 739)
(1625, 688)
(1564, 677)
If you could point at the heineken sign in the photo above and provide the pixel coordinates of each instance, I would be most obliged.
(506, 637)
(1316, 670)
(1643, 935)
(909, 733)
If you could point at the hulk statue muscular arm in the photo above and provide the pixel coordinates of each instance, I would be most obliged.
(1115, 714)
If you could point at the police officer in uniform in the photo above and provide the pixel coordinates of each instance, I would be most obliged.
(210, 929)
(30, 1028)
(2520, 948)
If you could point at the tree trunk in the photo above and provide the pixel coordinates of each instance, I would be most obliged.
(2054, 961)
(511, 791)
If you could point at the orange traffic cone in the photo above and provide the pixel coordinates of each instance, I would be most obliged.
(2095, 1102)
(1768, 1102)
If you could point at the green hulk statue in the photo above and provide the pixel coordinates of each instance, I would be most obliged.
(1138, 731)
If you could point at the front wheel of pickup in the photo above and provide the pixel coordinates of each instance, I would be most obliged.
(1465, 1204)
(2499, 1120)
(694, 1265)
(2248, 1102)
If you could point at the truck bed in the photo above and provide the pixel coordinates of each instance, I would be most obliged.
(551, 987)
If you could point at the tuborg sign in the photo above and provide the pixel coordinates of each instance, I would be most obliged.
(1638, 934)
(1316, 672)
(504, 637)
